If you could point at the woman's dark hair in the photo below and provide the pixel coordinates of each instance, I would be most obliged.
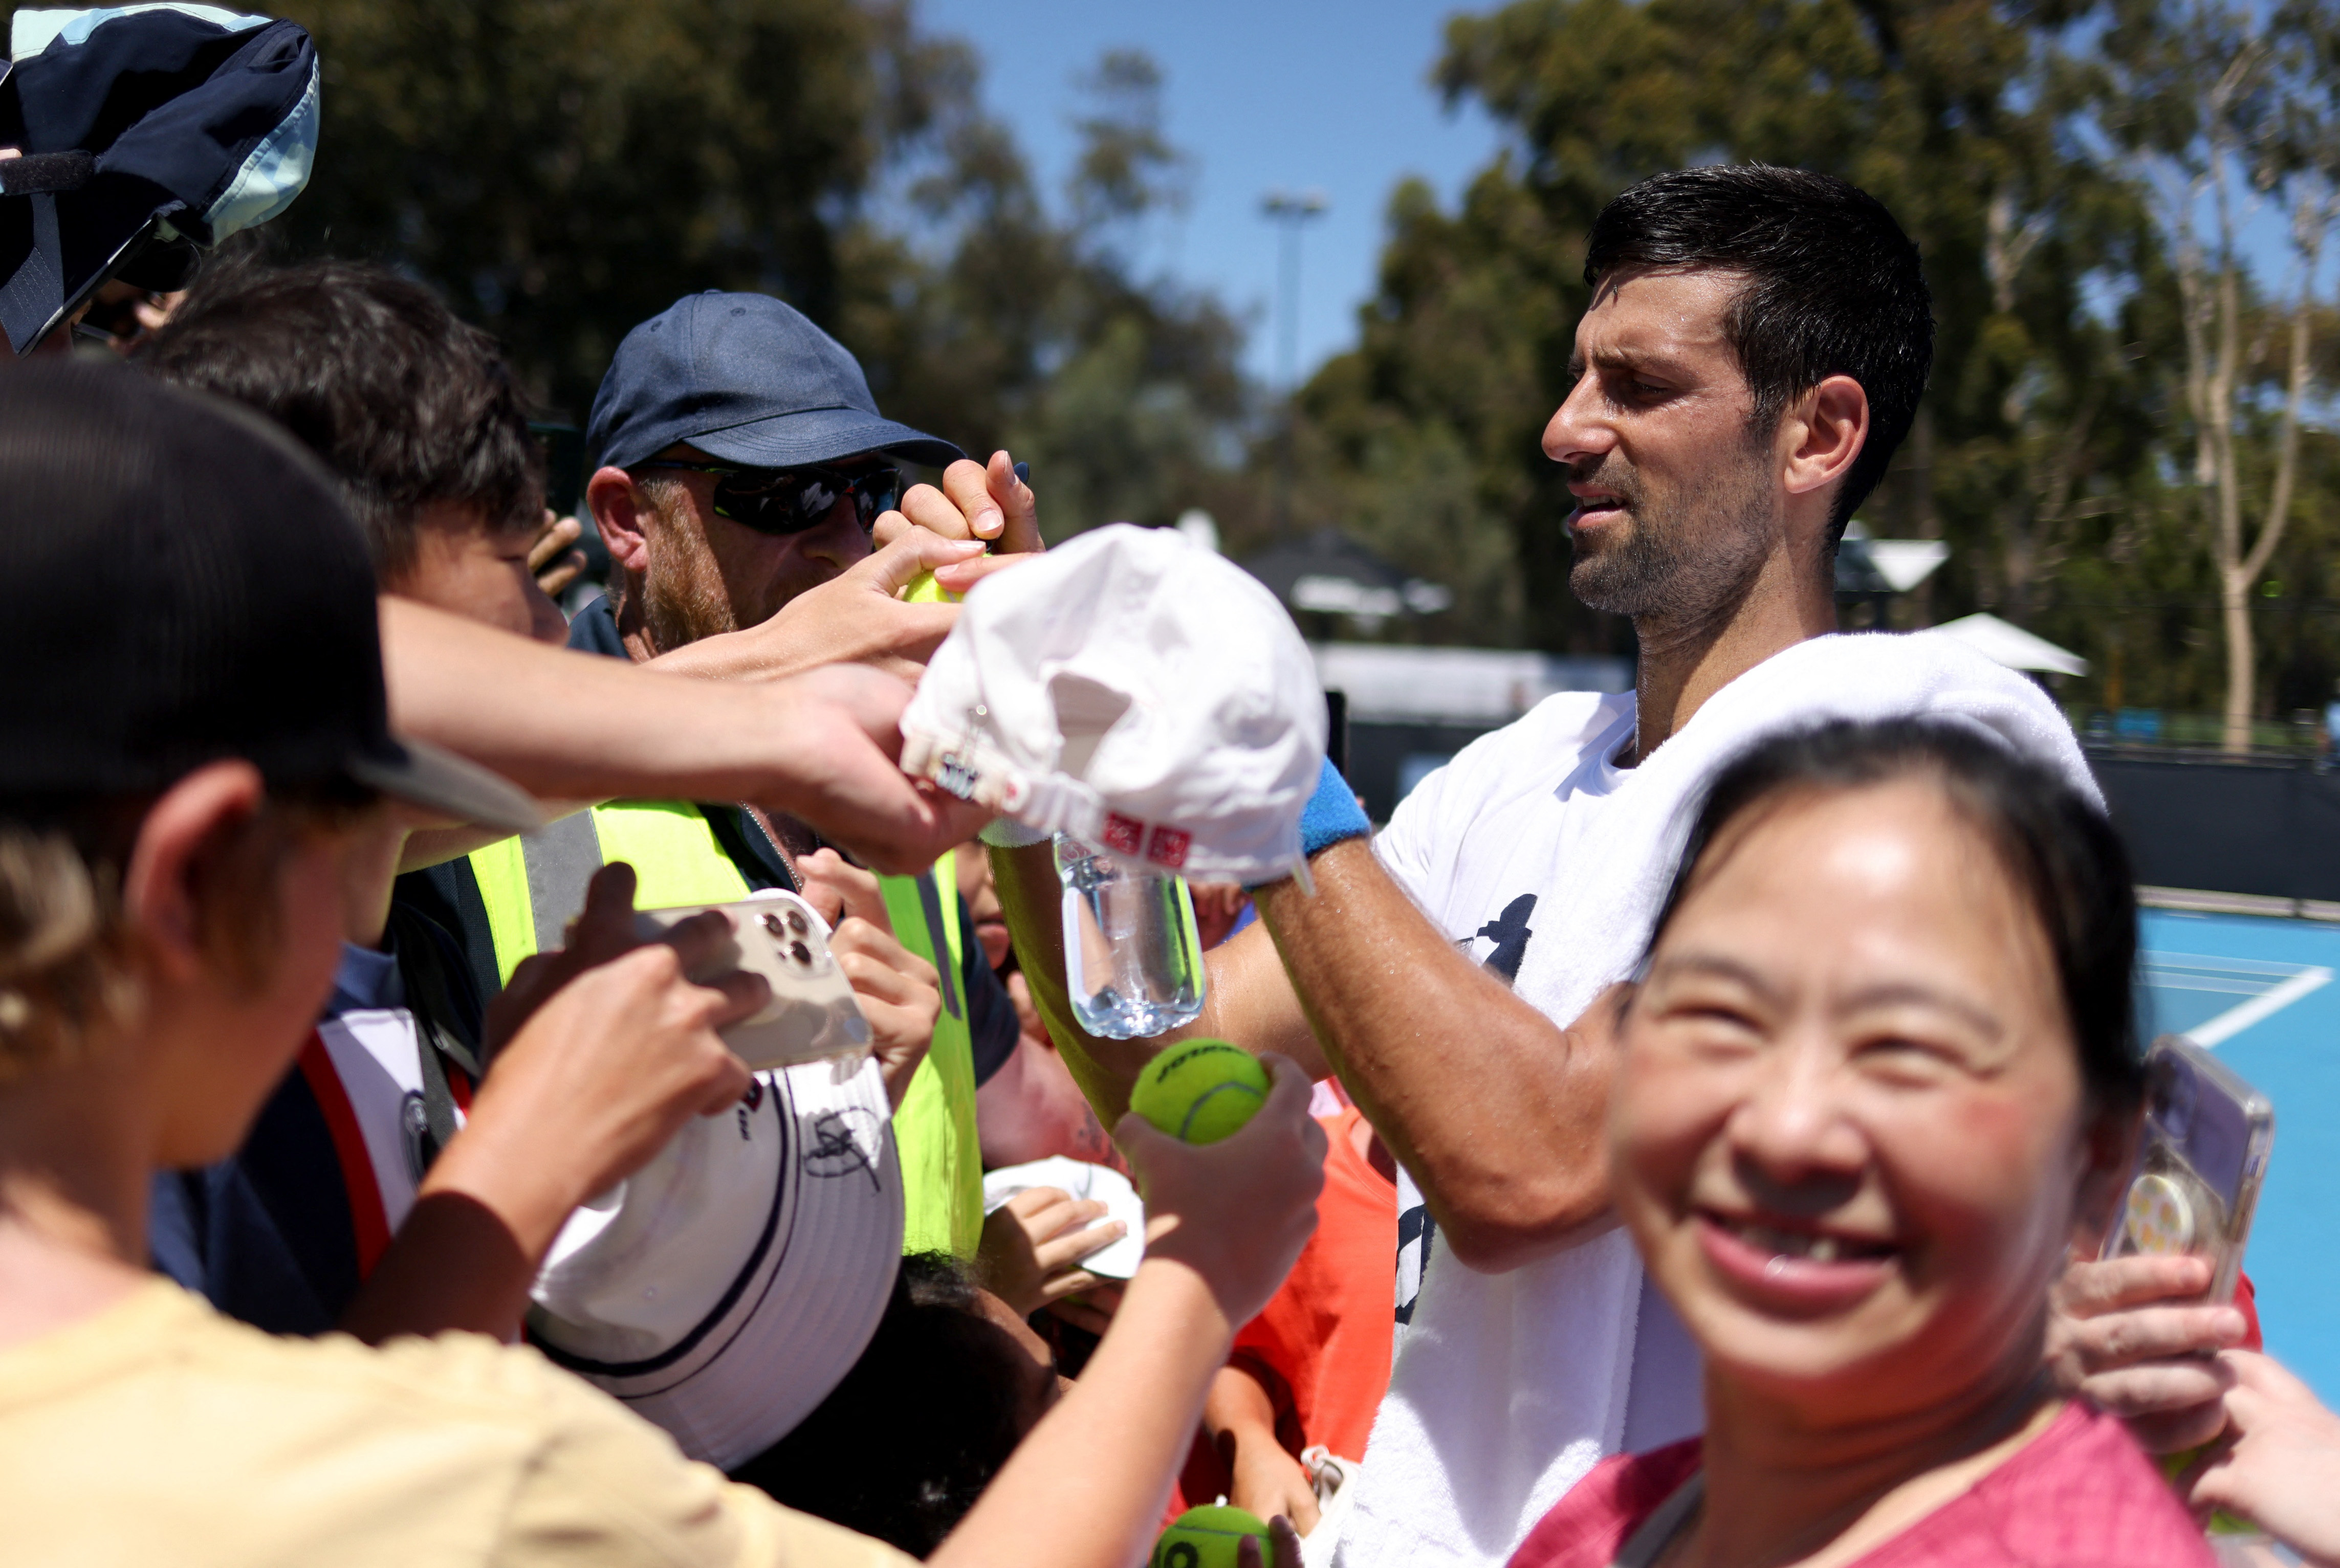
(2057, 847)
(1832, 287)
(902, 1448)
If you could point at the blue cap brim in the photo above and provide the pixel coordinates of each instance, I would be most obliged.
(818, 435)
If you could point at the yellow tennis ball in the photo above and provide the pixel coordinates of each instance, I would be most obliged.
(1207, 1538)
(924, 590)
(1200, 1091)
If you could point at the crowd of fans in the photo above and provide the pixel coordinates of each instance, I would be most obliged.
(1695, 1117)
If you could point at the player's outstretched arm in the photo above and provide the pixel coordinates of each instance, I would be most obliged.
(1496, 1111)
(577, 726)
(1223, 1223)
(1248, 999)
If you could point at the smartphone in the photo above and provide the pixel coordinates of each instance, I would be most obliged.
(812, 1015)
(2202, 1161)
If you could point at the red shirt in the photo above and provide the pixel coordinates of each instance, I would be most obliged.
(2079, 1496)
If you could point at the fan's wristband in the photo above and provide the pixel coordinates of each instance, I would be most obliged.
(1006, 832)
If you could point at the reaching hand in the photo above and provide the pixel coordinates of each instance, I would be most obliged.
(1033, 1243)
(1237, 1212)
(1269, 1482)
(551, 559)
(899, 997)
(2127, 1333)
(856, 618)
(2279, 1466)
(606, 1049)
(976, 501)
(842, 741)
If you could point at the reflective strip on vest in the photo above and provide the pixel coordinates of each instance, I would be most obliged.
(935, 1129)
(534, 885)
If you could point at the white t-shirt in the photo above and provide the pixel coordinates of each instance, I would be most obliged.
(1547, 862)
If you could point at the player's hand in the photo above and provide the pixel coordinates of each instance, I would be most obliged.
(1033, 1242)
(1238, 1211)
(2279, 1465)
(2131, 1334)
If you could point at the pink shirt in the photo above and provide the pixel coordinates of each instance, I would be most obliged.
(2081, 1495)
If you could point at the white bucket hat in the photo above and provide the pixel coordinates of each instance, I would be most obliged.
(1151, 699)
(727, 1287)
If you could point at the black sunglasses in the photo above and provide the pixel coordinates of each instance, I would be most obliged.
(783, 502)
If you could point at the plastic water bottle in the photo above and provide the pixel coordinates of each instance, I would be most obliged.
(1133, 958)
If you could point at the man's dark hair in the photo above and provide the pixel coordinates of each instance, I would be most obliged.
(1833, 286)
(2059, 850)
(903, 1447)
(405, 404)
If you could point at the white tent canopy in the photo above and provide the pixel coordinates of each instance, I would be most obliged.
(2011, 645)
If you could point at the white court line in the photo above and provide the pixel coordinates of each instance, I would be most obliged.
(2235, 1019)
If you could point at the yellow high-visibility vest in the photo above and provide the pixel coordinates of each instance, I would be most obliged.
(534, 885)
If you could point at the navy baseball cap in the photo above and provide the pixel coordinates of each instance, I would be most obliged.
(746, 379)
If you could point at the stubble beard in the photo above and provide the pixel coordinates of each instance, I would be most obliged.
(1681, 558)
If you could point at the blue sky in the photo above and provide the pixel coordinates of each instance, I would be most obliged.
(1261, 93)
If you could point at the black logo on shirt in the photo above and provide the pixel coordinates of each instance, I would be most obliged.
(1509, 934)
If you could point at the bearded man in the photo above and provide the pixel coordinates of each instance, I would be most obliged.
(1754, 351)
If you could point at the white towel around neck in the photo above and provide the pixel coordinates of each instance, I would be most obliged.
(1509, 1387)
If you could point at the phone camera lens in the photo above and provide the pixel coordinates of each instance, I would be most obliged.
(797, 924)
(771, 924)
(800, 952)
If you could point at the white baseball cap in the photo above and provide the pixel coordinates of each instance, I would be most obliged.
(1151, 699)
(727, 1287)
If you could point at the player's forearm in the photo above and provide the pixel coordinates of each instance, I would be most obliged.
(1496, 1111)
(1242, 1003)
(1086, 1488)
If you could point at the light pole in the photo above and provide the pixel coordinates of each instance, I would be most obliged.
(1289, 210)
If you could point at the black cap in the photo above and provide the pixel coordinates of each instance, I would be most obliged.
(183, 585)
(159, 129)
(747, 379)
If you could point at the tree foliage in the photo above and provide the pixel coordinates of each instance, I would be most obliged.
(564, 169)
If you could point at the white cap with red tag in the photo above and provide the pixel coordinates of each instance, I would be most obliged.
(1148, 697)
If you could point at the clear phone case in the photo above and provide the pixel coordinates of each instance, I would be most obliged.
(812, 1015)
(2200, 1163)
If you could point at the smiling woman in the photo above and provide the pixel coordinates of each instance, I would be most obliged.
(1880, 1075)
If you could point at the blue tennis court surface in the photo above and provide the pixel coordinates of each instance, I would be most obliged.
(2260, 993)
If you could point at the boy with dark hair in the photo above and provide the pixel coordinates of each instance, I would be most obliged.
(195, 745)
(413, 411)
